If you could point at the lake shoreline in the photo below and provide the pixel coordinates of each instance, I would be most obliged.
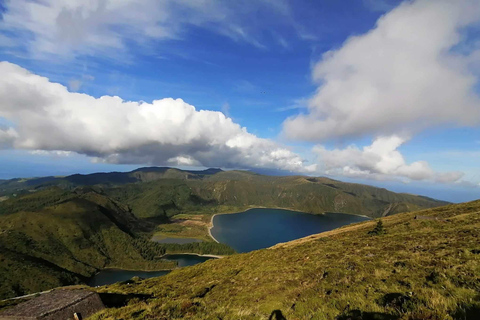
(161, 257)
(210, 226)
(244, 232)
(194, 254)
(156, 270)
(129, 269)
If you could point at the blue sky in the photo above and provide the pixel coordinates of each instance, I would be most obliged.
(378, 92)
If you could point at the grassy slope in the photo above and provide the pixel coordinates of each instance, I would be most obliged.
(66, 233)
(420, 269)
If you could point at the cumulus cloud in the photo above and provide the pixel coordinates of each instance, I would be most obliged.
(7, 137)
(74, 27)
(414, 70)
(381, 160)
(46, 116)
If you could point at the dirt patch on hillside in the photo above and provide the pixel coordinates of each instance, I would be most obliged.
(192, 220)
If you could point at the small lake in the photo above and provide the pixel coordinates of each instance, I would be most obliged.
(262, 228)
(185, 260)
(109, 276)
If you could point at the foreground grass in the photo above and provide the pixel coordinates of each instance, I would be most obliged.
(418, 269)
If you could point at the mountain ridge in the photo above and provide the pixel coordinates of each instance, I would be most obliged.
(87, 179)
(207, 190)
(84, 223)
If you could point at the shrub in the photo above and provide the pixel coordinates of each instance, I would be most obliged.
(378, 230)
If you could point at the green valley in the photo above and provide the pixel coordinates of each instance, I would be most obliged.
(56, 237)
(62, 230)
(240, 160)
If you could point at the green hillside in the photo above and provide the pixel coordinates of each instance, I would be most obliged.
(426, 268)
(55, 237)
(163, 192)
(236, 191)
(22, 185)
(67, 228)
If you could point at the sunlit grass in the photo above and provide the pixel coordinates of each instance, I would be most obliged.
(418, 269)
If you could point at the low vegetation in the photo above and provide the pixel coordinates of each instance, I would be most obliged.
(378, 230)
(56, 237)
(61, 230)
(418, 269)
(152, 250)
(185, 226)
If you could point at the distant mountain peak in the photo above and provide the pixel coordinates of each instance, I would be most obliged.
(207, 171)
(163, 169)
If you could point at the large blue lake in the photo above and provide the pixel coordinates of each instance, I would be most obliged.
(262, 228)
(245, 231)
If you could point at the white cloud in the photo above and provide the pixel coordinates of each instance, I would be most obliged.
(183, 161)
(406, 74)
(106, 27)
(47, 117)
(381, 160)
(55, 153)
(7, 137)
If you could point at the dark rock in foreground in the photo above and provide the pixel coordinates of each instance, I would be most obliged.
(57, 304)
